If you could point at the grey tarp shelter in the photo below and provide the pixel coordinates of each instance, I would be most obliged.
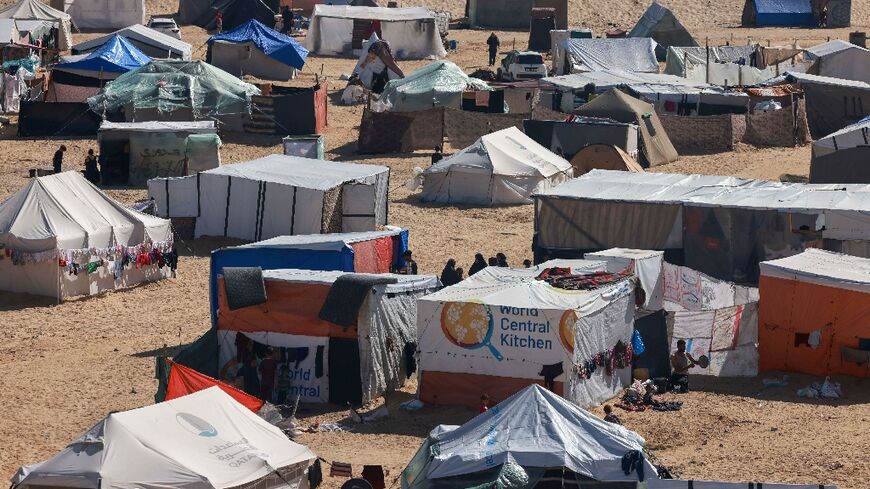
(656, 147)
(660, 23)
(492, 13)
(235, 12)
(844, 156)
(832, 103)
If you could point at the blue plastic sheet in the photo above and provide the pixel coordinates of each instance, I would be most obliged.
(117, 55)
(274, 44)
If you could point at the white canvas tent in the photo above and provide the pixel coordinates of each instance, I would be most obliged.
(535, 430)
(495, 331)
(635, 55)
(277, 195)
(106, 14)
(505, 167)
(36, 10)
(155, 44)
(58, 227)
(205, 440)
(411, 32)
(840, 59)
(646, 264)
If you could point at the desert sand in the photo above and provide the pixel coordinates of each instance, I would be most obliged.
(66, 366)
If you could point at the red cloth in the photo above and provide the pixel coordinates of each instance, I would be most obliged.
(184, 381)
(373, 256)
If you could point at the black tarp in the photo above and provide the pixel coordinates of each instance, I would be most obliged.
(539, 34)
(345, 384)
(850, 165)
(55, 119)
(235, 12)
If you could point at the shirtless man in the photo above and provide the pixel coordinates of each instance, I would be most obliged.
(681, 362)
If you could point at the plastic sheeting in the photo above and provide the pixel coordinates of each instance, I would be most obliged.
(783, 13)
(170, 86)
(438, 84)
(151, 42)
(823, 268)
(504, 167)
(659, 23)
(274, 44)
(629, 54)
(840, 59)
(117, 55)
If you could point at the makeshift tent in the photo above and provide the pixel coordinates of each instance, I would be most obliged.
(375, 57)
(504, 167)
(721, 226)
(766, 13)
(502, 329)
(656, 147)
(814, 316)
(840, 59)
(731, 65)
(153, 43)
(832, 103)
(491, 13)
(635, 55)
(175, 90)
(290, 110)
(63, 237)
(36, 10)
(348, 252)
(256, 50)
(568, 138)
(543, 22)
(843, 156)
(338, 30)
(277, 195)
(197, 441)
(659, 23)
(440, 83)
(603, 157)
(76, 80)
(352, 362)
(307, 6)
(185, 380)
(234, 12)
(134, 152)
(519, 440)
(105, 14)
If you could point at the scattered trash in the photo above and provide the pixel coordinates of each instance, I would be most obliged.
(376, 415)
(326, 428)
(776, 382)
(414, 405)
(826, 389)
(353, 94)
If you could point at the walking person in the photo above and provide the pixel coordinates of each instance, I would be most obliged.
(493, 44)
(57, 161)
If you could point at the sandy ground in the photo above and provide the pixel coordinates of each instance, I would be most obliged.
(66, 366)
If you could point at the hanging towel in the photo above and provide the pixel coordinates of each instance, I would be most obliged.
(244, 287)
(347, 295)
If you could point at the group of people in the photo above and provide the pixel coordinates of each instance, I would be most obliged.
(451, 274)
(92, 170)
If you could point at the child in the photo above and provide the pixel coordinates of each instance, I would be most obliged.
(609, 416)
(282, 384)
(484, 403)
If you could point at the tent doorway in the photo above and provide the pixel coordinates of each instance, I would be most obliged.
(115, 162)
(344, 372)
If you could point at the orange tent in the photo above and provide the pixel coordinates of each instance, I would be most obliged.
(184, 381)
(814, 314)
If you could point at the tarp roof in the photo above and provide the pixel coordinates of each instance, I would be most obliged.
(831, 47)
(117, 55)
(659, 23)
(145, 35)
(171, 85)
(330, 241)
(641, 83)
(535, 428)
(506, 152)
(159, 126)
(65, 211)
(36, 10)
(783, 6)
(438, 77)
(273, 44)
(299, 172)
(822, 267)
(819, 80)
(857, 134)
(191, 442)
(635, 55)
(382, 14)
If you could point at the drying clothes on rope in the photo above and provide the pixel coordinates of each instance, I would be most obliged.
(346, 296)
(297, 355)
(374, 475)
(550, 372)
(340, 469)
(563, 279)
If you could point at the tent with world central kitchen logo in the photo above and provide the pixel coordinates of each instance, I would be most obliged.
(565, 324)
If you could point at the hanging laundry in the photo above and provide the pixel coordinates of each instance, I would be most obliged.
(341, 469)
(550, 372)
(815, 339)
(315, 475)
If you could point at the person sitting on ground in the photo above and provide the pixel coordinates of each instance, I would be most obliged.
(92, 172)
(437, 155)
(57, 161)
(609, 416)
(527, 263)
(492, 261)
(448, 275)
(460, 274)
(501, 259)
(478, 265)
(681, 362)
(484, 403)
(410, 267)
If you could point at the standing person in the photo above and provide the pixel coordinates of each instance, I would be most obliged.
(219, 20)
(410, 267)
(92, 173)
(286, 20)
(448, 275)
(268, 369)
(484, 404)
(478, 265)
(681, 362)
(57, 162)
(501, 259)
(493, 44)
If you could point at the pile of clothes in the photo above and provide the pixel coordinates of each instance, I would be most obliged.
(639, 397)
(562, 278)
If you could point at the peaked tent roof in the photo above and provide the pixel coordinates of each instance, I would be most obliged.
(274, 44)
(172, 85)
(857, 134)
(532, 428)
(144, 35)
(36, 10)
(506, 152)
(172, 444)
(299, 172)
(659, 23)
(831, 47)
(617, 105)
(185, 380)
(117, 55)
(65, 211)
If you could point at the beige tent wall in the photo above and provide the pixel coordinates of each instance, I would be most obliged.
(33, 278)
(246, 59)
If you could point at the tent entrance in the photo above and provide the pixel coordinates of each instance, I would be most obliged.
(344, 372)
(115, 161)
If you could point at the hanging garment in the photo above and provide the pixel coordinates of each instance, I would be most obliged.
(410, 352)
(550, 372)
(374, 475)
(315, 475)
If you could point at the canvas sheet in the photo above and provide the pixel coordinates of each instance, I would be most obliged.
(727, 336)
(647, 266)
(175, 197)
(690, 290)
(59, 92)
(629, 54)
(303, 374)
(156, 155)
(822, 267)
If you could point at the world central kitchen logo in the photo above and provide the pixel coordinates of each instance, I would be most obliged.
(196, 425)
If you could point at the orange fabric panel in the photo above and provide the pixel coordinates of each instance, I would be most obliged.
(384, 252)
(291, 308)
(461, 389)
(790, 307)
(184, 381)
(373, 256)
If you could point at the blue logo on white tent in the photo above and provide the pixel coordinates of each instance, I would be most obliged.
(196, 425)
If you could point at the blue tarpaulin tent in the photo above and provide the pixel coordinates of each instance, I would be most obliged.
(762, 13)
(117, 55)
(271, 42)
